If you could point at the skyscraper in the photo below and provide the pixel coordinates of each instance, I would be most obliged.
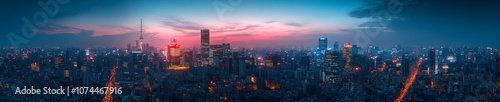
(322, 44)
(137, 62)
(433, 69)
(205, 46)
(174, 54)
(347, 58)
(136, 45)
(405, 65)
(336, 46)
(332, 67)
(216, 54)
(227, 49)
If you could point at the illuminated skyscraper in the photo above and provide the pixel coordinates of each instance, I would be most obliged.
(174, 54)
(347, 58)
(205, 46)
(433, 69)
(332, 67)
(322, 44)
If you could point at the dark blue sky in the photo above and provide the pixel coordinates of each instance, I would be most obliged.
(256, 23)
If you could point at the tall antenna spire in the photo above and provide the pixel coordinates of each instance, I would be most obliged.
(140, 39)
(141, 28)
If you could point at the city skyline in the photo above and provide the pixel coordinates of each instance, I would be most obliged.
(254, 23)
(249, 50)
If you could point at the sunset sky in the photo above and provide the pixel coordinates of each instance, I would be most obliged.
(254, 23)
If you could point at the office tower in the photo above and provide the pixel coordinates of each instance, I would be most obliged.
(174, 52)
(188, 58)
(140, 42)
(67, 57)
(237, 65)
(137, 62)
(227, 49)
(216, 54)
(405, 65)
(336, 46)
(156, 61)
(332, 69)
(379, 63)
(322, 44)
(347, 58)
(433, 69)
(128, 47)
(136, 45)
(205, 46)
(242, 66)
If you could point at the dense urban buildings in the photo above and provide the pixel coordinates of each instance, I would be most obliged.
(375, 73)
(250, 51)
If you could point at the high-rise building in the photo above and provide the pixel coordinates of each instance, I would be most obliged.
(405, 66)
(226, 50)
(355, 49)
(128, 47)
(205, 46)
(188, 58)
(174, 53)
(433, 69)
(332, 69)
(216, 54)
(336, 46)
(322, 44)
(136, 45)
(138, 65)
(347, 58)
